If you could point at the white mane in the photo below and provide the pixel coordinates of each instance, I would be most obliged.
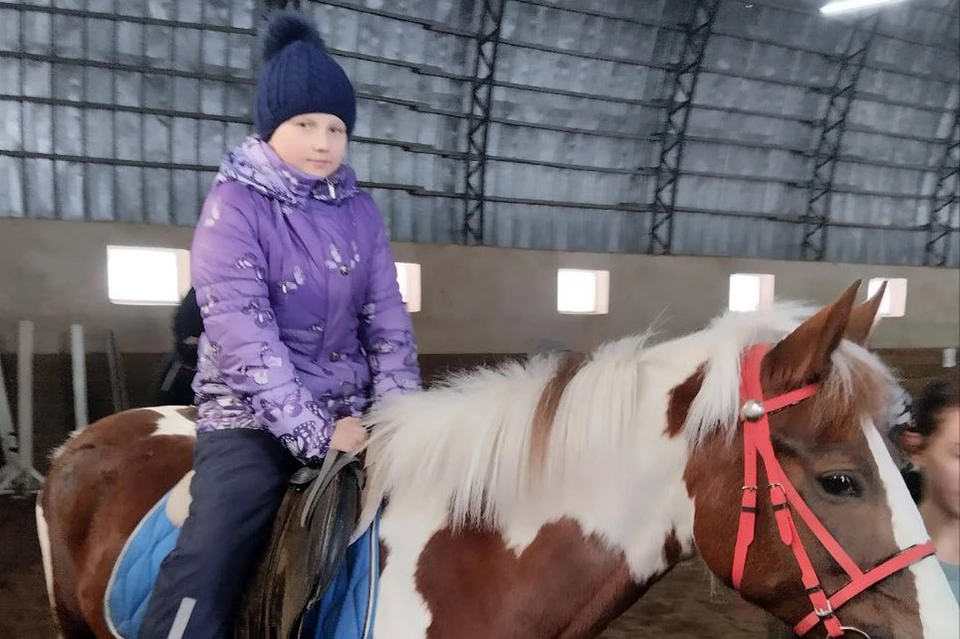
(467, 441)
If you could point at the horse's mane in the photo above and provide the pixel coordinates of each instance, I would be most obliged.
(467, 440)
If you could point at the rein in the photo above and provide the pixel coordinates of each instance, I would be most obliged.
(786, 500)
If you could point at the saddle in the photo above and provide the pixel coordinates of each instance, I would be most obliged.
(307, 545)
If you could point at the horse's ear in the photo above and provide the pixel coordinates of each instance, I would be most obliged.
(863, 318)
(804, 355)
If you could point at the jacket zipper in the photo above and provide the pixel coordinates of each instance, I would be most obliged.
(333, 193)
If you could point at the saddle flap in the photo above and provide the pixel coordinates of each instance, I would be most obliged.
(329, 528)
(308, 542)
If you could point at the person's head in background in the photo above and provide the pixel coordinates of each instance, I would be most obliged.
(187, 328)
(933, 444)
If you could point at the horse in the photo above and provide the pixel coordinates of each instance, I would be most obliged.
(541, 498)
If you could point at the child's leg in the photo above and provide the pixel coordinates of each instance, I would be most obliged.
(241, 477)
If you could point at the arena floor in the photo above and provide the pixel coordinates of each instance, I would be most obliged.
(681, 606)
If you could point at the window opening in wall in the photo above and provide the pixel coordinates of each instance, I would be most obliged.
(750, 292)
(408, 278)
(894, 302)
(145, 276)
(584, 292)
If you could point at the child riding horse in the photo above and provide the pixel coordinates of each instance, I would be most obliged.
(303, 325)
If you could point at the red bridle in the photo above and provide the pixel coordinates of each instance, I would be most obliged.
(783, 496)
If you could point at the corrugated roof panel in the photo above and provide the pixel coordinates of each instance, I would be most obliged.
(181, 93)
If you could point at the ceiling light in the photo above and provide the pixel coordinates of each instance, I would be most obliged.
(843, 6)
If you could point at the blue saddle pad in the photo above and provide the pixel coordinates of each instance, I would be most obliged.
(346, 610)
(136, 570)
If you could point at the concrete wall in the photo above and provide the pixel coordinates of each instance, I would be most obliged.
(475, 300)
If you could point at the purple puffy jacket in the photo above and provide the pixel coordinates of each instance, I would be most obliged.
(303, 319)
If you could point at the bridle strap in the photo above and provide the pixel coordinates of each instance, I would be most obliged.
(901, 560)
(826, 539)
(750, 388)
(757, 442)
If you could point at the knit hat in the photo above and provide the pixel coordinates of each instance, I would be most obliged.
(299, 76)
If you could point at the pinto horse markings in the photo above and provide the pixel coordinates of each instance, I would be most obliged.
(541, 499)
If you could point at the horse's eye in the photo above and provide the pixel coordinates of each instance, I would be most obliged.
(840, 485)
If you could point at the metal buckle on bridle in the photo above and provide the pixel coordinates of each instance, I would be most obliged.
(823, 614)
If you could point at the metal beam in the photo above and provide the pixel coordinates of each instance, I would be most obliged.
(673, 133)
(832, 126)
(478, 125)
(944, 197)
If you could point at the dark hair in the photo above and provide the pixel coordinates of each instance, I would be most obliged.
(187, 322)
(935, 398)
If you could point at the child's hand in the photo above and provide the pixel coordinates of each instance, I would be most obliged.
(348, 435)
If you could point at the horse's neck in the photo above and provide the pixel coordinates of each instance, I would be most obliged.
(561, 568)
(566, 558)
(562, 584)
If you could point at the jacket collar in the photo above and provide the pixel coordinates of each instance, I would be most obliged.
(256, 165)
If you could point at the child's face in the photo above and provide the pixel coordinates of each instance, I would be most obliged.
(940, 462)
(314, 143)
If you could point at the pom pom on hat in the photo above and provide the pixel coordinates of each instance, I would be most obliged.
(286, 28)
(299, 76)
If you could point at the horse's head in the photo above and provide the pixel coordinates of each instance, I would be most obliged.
(807, 534)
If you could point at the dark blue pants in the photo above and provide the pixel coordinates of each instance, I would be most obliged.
(241, 477)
